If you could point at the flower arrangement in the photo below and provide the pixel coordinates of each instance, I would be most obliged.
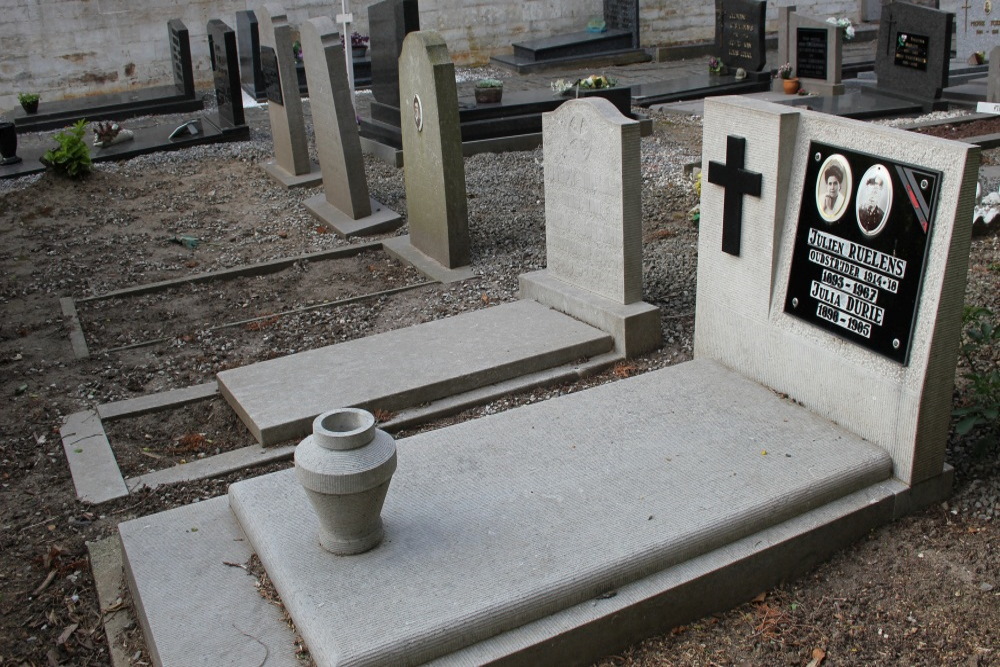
(715, 65)
(845, 26)
(592, 82)
(358, 40)
(297, 50)
(784, 71)
(106, 131)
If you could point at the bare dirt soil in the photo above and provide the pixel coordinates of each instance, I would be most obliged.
(922, 591)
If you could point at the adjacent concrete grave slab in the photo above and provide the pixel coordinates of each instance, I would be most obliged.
(278, 399)
(91, 461)
(345, 204)
(291, 166)
(436, 208)
(593, 224)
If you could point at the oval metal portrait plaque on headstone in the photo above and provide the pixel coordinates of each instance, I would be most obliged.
(418, 113)
(859, 280)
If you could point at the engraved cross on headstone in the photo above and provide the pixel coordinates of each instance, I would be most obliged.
(966, 7)
(738, 182)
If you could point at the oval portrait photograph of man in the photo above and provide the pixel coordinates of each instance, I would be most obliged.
(833, 187)
(874, 200)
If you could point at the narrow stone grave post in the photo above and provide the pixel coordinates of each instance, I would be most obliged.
(291, 166)
(345, 204)
(593, 224)
(434, 167)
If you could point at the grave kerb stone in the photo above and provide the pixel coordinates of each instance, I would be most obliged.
(434, 169)
(740, 316)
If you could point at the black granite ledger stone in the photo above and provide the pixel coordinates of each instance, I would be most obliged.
(228, 93)
(248, 40)
(389, 22)
(739, 33)
(180, 56)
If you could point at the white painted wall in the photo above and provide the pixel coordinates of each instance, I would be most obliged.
(70, 48)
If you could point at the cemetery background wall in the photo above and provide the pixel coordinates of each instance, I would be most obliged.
(70, 48)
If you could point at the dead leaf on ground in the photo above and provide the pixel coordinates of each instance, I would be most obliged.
(67, 633)
(818, 655)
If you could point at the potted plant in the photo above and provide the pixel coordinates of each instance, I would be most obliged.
(788, 82)
(715, 66)
(359, 44)
(29, 101)
(489, 91)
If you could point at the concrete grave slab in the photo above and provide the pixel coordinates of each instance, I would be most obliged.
(91, 461)
(291, 166)
(278, 399)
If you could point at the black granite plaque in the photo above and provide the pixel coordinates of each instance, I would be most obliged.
(389, 21)
(739, 33)
(272, 79)
(811, 53)
(860, 247)
(912, 51)
(248, 42)
(180, 55)
(623, 15)
(228, 95)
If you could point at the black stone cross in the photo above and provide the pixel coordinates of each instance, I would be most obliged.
(738, 182)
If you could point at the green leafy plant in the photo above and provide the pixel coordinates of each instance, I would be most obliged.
(72, 156)
(979, 414)
(27, 98)
(489, 83)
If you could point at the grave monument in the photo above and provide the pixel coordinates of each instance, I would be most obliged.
(977, 26)
(229, 117)
(739, 44)
(616, 44)
(816, 409)
(248, 37)
(291, 166)
(178, 97)
(814, 49)
(345, 204)
(593, 224)
(436, 211)
(911, 67)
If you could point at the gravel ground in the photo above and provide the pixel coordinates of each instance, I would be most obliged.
(120, 227)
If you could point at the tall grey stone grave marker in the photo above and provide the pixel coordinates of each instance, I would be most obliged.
(814, 49)
(345, 204)
(434, 169)
(291, 166)
(593, 224)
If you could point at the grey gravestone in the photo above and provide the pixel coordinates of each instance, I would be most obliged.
(913, 51)
(993, 79)
(623, 15)
(228, 94)
(739, 33)
(291, 166)
(248, 41)
(977, 26)
(345, 204)
(180, 56)
(434, 169)
(389, 21)
(593, 223)
(817, 54)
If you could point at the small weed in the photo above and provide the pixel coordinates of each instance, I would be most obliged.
(72, 156)
(979, 414)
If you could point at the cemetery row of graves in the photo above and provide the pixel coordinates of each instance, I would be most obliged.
(625, 395)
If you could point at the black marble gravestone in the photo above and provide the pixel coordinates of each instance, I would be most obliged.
(739, 33)
(178, 97)
(228, 93)
(811, 53)
(390, 21)
(248, 39)
(860, 248)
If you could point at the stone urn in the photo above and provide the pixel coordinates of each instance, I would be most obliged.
(8, 143)
(345, 467)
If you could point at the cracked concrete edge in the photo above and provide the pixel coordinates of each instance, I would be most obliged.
(91, 461)
(109, 580)
(76, 337)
